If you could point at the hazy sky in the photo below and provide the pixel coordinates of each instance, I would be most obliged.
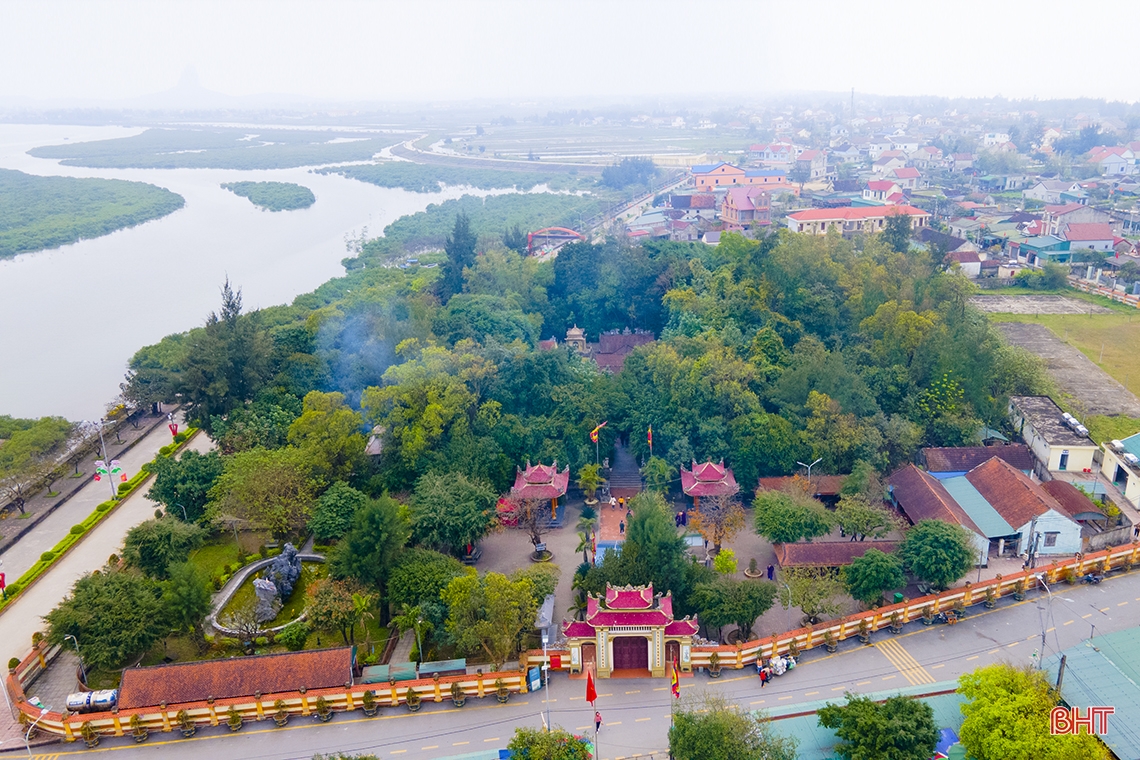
(433, 50)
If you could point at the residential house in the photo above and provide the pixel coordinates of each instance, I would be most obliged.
(992, 139)
(777, 155)
(969, 262)
(883, 191)
(905, 143)
(926, 156)
(950, 462)
(1049, 191)
(1121, 465)
(846, 153)
(867, 220)
(920, 496)
(1057, 217)
(877, 147)
(1058, 442)
(1098, 530)
(907, 177)
(723, 175)
(1088, 236)
(960, 162)
(812, 161)
(886, 164)
(1114, 161)
(936, 240)
(745, 208)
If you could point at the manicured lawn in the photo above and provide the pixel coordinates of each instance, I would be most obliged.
(293, 606)
(213, 557)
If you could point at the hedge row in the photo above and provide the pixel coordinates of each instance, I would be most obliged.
(77, 532)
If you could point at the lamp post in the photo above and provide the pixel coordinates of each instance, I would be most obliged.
(1041, 579)
(28, 735)
(809, 466)
(108, 465)
(78, 654)
(546, 670)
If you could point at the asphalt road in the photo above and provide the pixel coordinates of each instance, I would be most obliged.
(636, 712)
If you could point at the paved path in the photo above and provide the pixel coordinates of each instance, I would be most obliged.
(25, 616)
(636, 711)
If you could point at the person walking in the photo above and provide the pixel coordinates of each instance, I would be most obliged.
(597, 721)
(621, 527)
(771, 572)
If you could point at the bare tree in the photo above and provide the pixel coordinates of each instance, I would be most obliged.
(245, 623)
(719, 518)
(535, 518)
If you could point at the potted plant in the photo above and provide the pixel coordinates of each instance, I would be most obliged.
(991, 598)
(1019, 590)
(865, 630)
(714, 665)
(13, 664)
(324, 711)
(186, 724)
(502, 693)
(412, 700)
(138, 730)
(90, 736)
(794, 647)
(830, 642)
(896, 622)
(928, 615)
(368, 703)
(280, 713)
(960, 608)
(1068, 576)
(233, 719)
(458, 696)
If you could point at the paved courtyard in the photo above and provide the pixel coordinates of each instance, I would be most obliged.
(1036, 305)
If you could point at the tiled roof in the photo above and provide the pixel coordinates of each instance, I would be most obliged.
(1064, 208)
(708, 479)
(922, 497)
(1072, 500)
(827, 553)
(686, 627)
(964, 257)
(1011, 493)
(965, 458)
(850, 213)
(823, 485)
(880, 185)
(1088, 231)
(630, 597)
(578, 628)
(237, 677)
(907, 172)
(541, 482)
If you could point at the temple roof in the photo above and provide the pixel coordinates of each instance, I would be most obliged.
(638, 606)
(708, 479)
(541, 482)
(630, 597)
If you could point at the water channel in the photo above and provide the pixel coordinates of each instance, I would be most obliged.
(71, 317)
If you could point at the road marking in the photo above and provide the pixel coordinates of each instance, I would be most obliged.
(1086, 616)
(430, 746)
(862, 683)
(887, 678)
(552, 700)
(757, 702)
(972, 658)
(1121, 604)
(635, 691)
(1068, 622)
(661, 688)
(605, 695)
(581, 728)
(492, 739)
(1105, 609)
(398, 751)
(1050, 630)
(993, 651)
(573, 698)
(939, 665)
(1007, 646)
(1031, 638)
(810, 693)
(641, 720)
(838, 688)
(459, 744)
(787, 697)
(910, 668)
(614, 723)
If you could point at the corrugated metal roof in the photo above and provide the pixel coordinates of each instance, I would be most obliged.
(1132, 444)
(975, 505)
(1105, 670)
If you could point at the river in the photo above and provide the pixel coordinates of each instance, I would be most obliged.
(70, 318)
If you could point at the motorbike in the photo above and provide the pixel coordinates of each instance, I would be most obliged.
(949, 618)
(1092, 579)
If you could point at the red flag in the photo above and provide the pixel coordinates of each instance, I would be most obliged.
(591, 692)
(676, 682)
(650, 436)
(594, 432)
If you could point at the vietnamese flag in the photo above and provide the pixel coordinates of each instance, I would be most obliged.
(591, 692)
(594, 432)
(650, 436)
(675, 682)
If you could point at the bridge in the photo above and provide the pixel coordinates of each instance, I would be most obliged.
(551, 238)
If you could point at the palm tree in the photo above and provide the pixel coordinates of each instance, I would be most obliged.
(584, 544)
(360, 609)
(412, 619)
(578, 607)
(589, 479)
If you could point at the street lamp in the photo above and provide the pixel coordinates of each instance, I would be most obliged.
(28, 735)
(106, 466)
(78, 654)
(546, 669)
(809, 466)
(1041, 579)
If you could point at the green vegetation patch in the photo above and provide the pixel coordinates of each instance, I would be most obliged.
(47, 212)
(292, 607)
(422, 178)
(273, 196)
(219, 149)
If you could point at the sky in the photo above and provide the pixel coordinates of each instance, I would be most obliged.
(436, 50)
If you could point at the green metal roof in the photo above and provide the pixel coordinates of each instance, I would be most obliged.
(1132, 444)
(988, 432)
(975, 505)
(1105, 670)
(817, 743)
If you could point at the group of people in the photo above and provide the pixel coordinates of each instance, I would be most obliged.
(776, 666)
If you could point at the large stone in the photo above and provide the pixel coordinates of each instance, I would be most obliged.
(284, 571)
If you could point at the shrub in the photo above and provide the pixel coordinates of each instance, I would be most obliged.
(180, 437)
(78, 530)
(294, 635)
(13, 663)
(165, 451)
(262, 641)
(105, 506)
(13, 589)
(47, 556)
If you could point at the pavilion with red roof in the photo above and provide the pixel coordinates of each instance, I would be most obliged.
(541, 482)
(708, 479)
(631, 629)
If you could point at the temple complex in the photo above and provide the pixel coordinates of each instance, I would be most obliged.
(631, 629)
(541, 482)
(708, 479)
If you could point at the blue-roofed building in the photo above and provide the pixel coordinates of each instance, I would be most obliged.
(1105, 671)
(1122, 466)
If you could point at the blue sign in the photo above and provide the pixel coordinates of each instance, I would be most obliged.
(534, 679)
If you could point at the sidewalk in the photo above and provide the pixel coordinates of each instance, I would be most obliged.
(25, 616)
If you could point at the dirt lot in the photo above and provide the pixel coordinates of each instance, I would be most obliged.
(1036, 305)
(1091, 388)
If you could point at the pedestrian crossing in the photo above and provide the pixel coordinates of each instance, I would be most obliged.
(904, 661)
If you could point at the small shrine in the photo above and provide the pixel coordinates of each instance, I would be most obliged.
(541, 482)
(630, 629)
(708, 479)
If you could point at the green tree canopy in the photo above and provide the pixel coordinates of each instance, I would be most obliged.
(370, 549)
(153, 546)
(114, 614)
(186, 597)
(460, 250)
(938, 552)
(489, 613)
(185, 482)
(708, 727)
(1007, 718)
(812, 589)
(448, 511)
(786, 517)
(29, 455)
(901, 728)
(728, 601)
(867, 577)
(335, 510)
(330, 606)
(420, 576)
(329, 432)
(860, 518)
(555, 744)
(275, 489)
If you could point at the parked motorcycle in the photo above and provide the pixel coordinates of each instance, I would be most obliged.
(949, 618)
(1092, 579)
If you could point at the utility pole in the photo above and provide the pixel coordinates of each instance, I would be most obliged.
(109, 465)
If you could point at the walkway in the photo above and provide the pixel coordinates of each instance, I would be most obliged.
(25, 616)
(625, 475)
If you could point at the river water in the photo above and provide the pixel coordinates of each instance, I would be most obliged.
(70, 318)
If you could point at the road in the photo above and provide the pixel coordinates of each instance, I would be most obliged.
(636, 712)
(25, 616)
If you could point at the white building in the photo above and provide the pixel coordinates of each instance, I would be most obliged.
(1058, 442)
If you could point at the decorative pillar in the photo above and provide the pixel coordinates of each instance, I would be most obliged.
(118, 723)
(438, 696)
(304, 702)
(522, 680)
(68, 734)
(165, 718)
(213, 711)
(479, 683)
(349, 704)
(395, 696)
(257, 703)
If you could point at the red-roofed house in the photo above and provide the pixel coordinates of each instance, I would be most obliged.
(969, 262)
(708, 479)
(1116, 160)
(887, 164)
(630, 629)
(907, 177)
(744, 208)
(1089, 236)
(1056, 217)
(880, 190)
(541, 482)
(813, 161)
(850, 220)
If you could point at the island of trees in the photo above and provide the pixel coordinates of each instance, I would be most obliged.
(48, 212)
(273, 196)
